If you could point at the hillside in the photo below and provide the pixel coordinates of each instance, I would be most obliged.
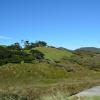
(34, 80)
(54, 53)
(90, 49)
(38, 71)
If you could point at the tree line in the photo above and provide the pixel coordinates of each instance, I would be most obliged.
(15, 53)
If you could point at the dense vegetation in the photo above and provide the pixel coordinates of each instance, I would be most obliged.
(36, 71)
(16, 54)
(39, 51)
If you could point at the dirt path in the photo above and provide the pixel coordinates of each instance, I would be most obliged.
(95, 91)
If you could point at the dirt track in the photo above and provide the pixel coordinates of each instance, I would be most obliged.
(95, 91)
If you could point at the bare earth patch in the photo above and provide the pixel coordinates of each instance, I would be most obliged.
(95, 91)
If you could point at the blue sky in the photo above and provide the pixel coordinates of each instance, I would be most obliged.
(68, 23)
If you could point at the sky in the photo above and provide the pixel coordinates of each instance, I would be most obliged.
(63, 23)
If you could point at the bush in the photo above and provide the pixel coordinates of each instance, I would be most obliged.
(14, 55)
(37, 54)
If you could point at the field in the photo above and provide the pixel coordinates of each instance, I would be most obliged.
(49, 73)
(41, 80)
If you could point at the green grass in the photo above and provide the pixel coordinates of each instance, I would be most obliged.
(53, 96)
(62, 96)
(31, 72)
(10, 96)
(57, 96)
(42, 79)
(53, 53)
(90, 98)
(47, 81)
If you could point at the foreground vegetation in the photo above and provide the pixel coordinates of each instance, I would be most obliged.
(41, 72)
(41, 80)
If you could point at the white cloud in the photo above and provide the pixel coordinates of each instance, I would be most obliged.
(5, 37)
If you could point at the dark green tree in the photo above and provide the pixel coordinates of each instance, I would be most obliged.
(40, 44)
(26, 45)
(37, 54)
(15, 46)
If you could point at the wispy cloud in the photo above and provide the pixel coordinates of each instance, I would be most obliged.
(5, 37)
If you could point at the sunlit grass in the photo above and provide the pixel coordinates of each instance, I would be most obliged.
(53, 53)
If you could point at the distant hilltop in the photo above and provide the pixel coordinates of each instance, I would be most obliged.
(91, 49)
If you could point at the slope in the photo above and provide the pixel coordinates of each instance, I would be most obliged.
(54, 53)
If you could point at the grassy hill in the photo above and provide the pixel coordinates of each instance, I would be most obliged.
(42, 79)
(54, 53)
(89, 49)
(3, 46)
(67, 74)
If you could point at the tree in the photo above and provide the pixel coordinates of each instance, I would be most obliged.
(15, 46)
(37, 54)
(40, 44)
(26, 44)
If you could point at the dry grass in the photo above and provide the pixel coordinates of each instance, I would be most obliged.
(44, 81)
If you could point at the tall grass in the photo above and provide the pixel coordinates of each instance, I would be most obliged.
(52, 96)
(90, 98)
(57, 96)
